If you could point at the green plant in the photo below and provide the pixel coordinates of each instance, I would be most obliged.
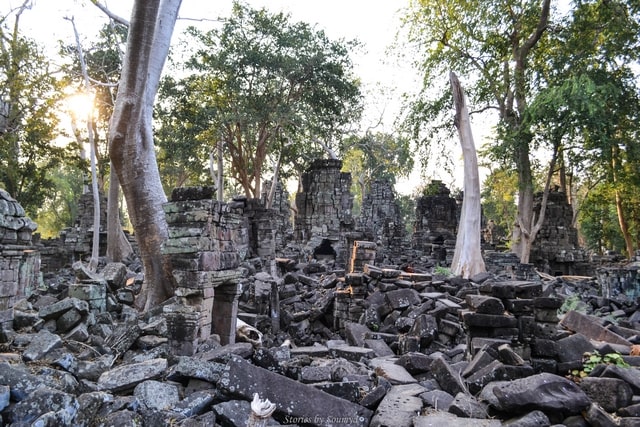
(591, 360)
(441, 271)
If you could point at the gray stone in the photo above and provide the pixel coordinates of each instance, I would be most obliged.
(292, 398)
(233, 412)
(591, 328)
(5, 396)
(195, 403)
(41, 344)
(92, 369)
(532, 419)
(380, 347)
(596, 416)
(156, 395)
(353, 353)
(402, 298)
(440, 419)
(126, 377)
(57, 309)
(466, 406)
(190, 367)
(573, 347)
(348, 390)
(374, 397)
(496, 371)
(631, 376)
(115, 274)
(610, 393)
(484, 304)
(437, 399)
(546, 392)
(449, 380)
(68, 320)
(415, 362)
(314, 374)
(45, 400)
(399, 406)
(21, 382)
(392, 372)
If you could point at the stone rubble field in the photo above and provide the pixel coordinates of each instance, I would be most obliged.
(382, 347)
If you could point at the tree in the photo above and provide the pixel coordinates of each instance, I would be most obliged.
(375, 156)
(467, 258)
(131, 146)
(491, 46)
(265, 86)
(30, 98)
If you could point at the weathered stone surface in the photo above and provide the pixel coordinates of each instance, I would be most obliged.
(437, 399)
(596, 416)
(190, 367)
(399, 406)
(194, 403)
(392, 372)
(546, 392)
(62, 406)
(449, 380)
(41, 344)
(291, 397)
(485, 304)
(466, 406)
(156, 395)
(631, 376)
(573, 347)
(590, 328)
(402, 298)
(610, 393)
(128, 376)
(439, 419)
(20, 382)
(532, 419)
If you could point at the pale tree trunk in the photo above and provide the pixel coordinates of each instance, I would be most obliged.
(274, 183)
(467, 258)
(131, 141)
(118, 246)
(95, 247)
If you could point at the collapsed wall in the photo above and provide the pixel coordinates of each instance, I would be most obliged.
(380, 217)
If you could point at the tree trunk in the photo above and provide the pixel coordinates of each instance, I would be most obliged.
(467, 258)
(95, 246)
(131, 144)
(622, 219)
(118, 246)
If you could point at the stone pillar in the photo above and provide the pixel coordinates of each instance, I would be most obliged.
(19, 261)
(362, 253)
(208, 240)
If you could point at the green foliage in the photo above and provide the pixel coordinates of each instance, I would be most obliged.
(407, 207)
(30, 98)
(441, 271)
(265, 86)
(591, 360)
(499, 199)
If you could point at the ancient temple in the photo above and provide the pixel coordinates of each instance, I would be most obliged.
(556, 249)
(324, 206)
(380, 218)
(436, 224)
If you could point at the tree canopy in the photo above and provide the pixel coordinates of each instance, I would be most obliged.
(264, 85)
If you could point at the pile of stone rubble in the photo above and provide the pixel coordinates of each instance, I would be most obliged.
(384, 347)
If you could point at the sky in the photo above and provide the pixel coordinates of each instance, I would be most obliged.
(373, 22)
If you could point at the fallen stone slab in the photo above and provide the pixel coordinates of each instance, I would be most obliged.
(440, 419)
(392, 372)
(399, 406)
(41, 344)
(125, 377)
(299, 403)
(590, 328)
(546, 392)
(610, 393)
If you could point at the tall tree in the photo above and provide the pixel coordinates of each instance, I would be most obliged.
(131, 145)
(492, 45)
(265, 86)
(30, 98)
(467, 258)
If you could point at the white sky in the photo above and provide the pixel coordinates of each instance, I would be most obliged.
(373, 22)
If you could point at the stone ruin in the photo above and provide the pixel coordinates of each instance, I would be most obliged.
(436, 225)
(324, 207)
(343, 339)
(380, 218)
